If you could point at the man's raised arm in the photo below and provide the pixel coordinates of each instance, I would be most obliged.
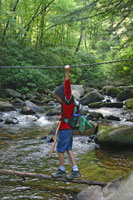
(67, 70)
(67, 85)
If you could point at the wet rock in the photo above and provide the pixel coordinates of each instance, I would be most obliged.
(112, 91)
(12, 93)
(32, 106)
(47, 139)
(6, 106)
(1, 120)
(85, 140)
(54, 111)
(119, 189)
(17, 102)
(112, 117)
(37, 102)
(95, 115)
(43, 137)
(108, 101)
(129, 103)
(120, 136)
(27, 111)
(104, 104)
(131, 115)
(127, 94)
(11, 120)
(91, 97)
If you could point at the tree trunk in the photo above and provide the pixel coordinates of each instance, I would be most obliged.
(43, 176)
(8, 22)
(42, 27)
(81, 36)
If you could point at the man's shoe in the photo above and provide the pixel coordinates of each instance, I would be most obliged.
(74, 174)
(59, 174)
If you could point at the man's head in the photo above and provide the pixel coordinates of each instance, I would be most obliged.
(59, 93)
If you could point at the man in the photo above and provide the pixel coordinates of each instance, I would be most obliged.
(65, 135)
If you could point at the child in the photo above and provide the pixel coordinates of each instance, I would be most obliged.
(65, 134)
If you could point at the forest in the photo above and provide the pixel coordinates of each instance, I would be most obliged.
(59, 32)
(37, 39)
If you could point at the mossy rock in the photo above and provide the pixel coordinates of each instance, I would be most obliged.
(116, 136)
(129, 103)
(108, 105)
(112, 91)
(4, 99)
(127, 94)
(96, 105)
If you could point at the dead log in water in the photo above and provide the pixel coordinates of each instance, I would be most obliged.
(44, 176)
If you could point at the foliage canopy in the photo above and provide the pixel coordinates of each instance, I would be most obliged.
(54, 32)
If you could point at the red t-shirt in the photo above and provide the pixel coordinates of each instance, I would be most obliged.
(68, 109)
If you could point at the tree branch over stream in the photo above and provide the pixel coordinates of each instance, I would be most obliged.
(43, 176)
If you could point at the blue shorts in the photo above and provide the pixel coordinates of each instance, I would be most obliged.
(64, 140)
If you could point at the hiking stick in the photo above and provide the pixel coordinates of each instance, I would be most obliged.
(55, 138)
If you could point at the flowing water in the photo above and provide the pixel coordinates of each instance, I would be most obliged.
(22, 149)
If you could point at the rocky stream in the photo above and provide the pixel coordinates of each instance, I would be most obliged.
(103, 153)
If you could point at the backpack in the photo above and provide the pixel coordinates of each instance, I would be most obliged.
(78, 121)
(77, 112)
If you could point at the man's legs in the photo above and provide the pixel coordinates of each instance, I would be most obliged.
(61, 171)
(75, 172)
(61, 161)
(71, 157)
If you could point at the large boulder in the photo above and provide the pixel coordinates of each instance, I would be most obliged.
(33, 106)
(120, 136)
(127, 93)
(119, 189)
(112, 91)
(12, 93)
(30, 108)
(129, 103)
(91, 97)
(6, 106)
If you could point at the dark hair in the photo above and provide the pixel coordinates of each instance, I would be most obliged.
(60, 92)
